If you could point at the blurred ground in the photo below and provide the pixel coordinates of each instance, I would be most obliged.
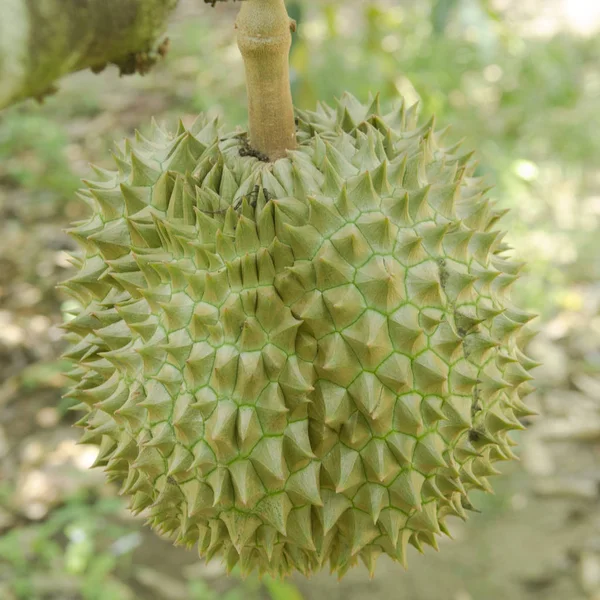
(520, 81)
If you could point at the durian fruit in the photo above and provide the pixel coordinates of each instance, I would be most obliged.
(299, 362)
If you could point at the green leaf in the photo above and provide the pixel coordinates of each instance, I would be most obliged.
(282, 590)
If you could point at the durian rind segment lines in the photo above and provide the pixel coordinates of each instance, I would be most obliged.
(304, 363)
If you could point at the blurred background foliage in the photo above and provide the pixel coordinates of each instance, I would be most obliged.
(519, 80)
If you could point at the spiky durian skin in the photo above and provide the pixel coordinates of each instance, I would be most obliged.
(303, 362)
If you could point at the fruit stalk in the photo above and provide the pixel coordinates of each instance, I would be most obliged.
(264, 32)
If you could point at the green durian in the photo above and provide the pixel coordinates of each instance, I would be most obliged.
(298, 363)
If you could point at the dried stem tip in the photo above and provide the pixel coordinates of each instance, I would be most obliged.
(264, 38)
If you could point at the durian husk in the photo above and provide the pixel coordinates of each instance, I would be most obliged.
(301, 363)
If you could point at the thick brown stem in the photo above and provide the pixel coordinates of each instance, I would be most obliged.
(264, 38)
(42, 40)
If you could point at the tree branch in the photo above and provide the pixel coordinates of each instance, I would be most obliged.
(42, 40)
